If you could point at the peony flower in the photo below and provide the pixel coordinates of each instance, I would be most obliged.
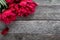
(9, 1)
(17, 7)
(27, 7)
(0, 16)
(11, 5)
(28, 12)
(8, 16)
(23, 3)
(22, 11)
(23, 7)
(17, 1)
(28, 0)
(5, 31)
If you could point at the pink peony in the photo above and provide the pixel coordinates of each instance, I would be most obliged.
(22, 11)
(5, 31)
(0, 16)
(8, 16)
(23, 3)
(9, 1)
(28, 0)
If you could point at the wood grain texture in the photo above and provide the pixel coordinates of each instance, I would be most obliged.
(22, 36)
(35, 27)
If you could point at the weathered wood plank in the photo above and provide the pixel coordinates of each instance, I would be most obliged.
(22, 36)
(48, 2)
(36, 27)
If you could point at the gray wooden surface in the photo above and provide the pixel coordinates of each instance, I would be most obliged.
(43, 25)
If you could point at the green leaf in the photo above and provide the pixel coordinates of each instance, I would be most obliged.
(3, 2)
(3, 5)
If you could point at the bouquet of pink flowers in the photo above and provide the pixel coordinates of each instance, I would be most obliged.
(10, 9)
